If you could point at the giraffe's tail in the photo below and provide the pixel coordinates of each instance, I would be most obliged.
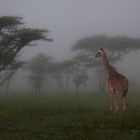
(126, 87)
(125, 92)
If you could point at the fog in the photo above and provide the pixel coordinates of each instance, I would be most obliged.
(70, 20)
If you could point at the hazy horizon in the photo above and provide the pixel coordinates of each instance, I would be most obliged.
(70, 20)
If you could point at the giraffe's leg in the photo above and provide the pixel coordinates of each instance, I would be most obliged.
(124, 103)
(110, 102)
(113, 97)
(115, 102)
(112, 92)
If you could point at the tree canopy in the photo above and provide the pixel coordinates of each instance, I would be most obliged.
(14, 36)
(116, 46)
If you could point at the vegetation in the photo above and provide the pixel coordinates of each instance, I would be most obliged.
(39, 68)
(115, 46)
(57, 117)
(14, 36)
(69, 117)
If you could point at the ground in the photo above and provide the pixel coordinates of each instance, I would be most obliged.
(68, 117)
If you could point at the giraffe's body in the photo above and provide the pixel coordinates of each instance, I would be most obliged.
(116, 81)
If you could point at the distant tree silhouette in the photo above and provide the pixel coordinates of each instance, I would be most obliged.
(39, 67)
(68, 70)
(116, 47)
(9, 74)
(14, 36)
(56, 73)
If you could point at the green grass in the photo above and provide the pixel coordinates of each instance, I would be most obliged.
(71, 117)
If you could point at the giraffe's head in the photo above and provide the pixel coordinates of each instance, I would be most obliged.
(99, 53)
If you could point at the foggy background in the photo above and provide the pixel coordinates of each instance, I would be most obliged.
(70, 20)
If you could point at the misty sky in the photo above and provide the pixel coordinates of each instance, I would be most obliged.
(71, 20)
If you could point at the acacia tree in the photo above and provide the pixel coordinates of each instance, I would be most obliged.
(116, 47)
(68, 69)
(74, 70)
(80, 76)
(39, 67)
(14, 36)
(56, 73)
(9, 74)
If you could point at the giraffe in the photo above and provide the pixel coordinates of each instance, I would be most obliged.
(116, 81)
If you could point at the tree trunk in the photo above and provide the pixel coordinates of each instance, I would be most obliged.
(35, 90)
(77, 88)
(102, 80)
(7, 87)
(67, 84)
(39, 90)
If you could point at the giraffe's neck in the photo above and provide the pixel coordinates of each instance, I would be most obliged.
(106, 63)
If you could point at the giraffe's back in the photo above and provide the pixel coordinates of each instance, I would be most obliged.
(118, 82)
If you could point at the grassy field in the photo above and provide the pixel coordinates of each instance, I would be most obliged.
(71, 117)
